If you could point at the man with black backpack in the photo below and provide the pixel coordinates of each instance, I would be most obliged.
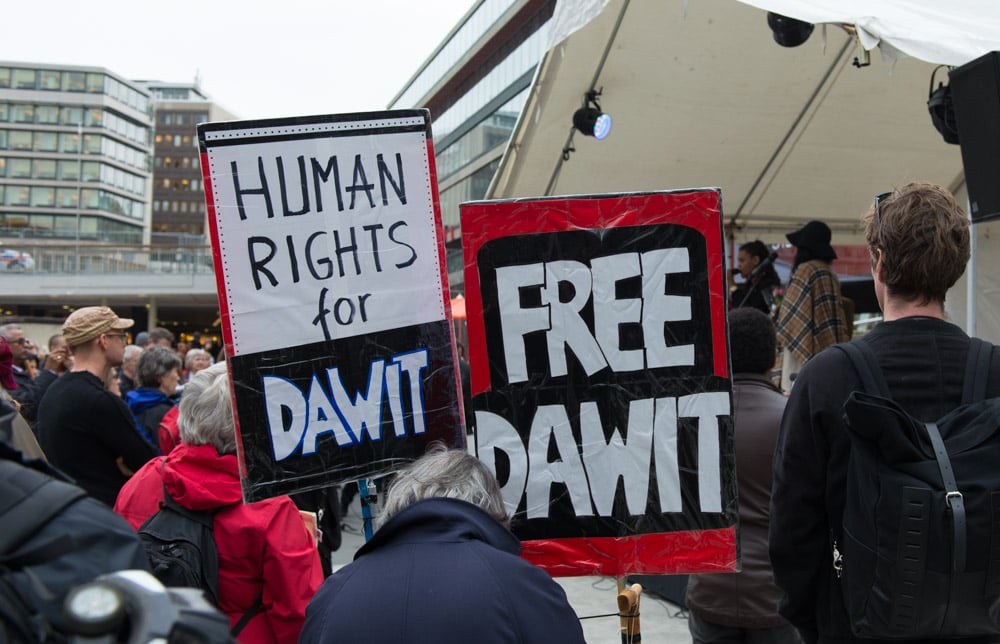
(882, 510)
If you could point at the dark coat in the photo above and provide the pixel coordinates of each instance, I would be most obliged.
(923, 360)
(747, 599)
(441, 570)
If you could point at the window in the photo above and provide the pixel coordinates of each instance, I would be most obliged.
(42, 196)
(95, 83)
(4, 111)
(4, 76)
(74, 81)
(95, 117)
(3, 139)
(20, 140)
(91, 198)
(48, 79)
(177, 140)
(158, 162)
(91, 144)
(47, 114)
(181, 119)
(21, 113)
(69, 142)
(158, 138)
(72, 115)
(166, 183)
(91, 171)
(20, 168)
(17, 196)
(3, 170)
(186, 140)
(43, 169)
(165, 118)
(69, 170)
(67, 197)
(24, 79)
(46, 141)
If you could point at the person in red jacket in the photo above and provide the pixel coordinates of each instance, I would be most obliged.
(265, 549)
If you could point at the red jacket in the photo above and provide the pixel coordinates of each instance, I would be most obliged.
(169, 434)
(264, 547)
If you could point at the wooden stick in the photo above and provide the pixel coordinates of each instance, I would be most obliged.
(628, 611)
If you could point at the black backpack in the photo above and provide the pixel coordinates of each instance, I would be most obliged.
(182, 552)
(919, 556)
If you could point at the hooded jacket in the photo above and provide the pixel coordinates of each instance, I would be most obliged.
(264, 548)
(441, 570)
(148, 407)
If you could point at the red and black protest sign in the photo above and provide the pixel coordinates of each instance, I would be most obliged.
(329, 257)
(600, 378)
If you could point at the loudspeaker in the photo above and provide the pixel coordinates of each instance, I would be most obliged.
(975, 93)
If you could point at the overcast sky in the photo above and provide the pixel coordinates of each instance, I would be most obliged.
(257, 59)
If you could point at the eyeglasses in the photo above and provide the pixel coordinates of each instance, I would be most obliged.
(117, 335)
(879, 198)
(21, 341)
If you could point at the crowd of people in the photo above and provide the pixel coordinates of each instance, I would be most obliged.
(131, 423)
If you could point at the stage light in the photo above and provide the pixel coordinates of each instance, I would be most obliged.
(788, 32)
(939, 104)
(591, 119)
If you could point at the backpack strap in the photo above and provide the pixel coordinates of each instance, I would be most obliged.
(977, 371)
(866, 365)
(953, 498)
(247, 616)
(28, 501)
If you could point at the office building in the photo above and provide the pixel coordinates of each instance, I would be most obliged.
(178, 195)
(475, 84)
(74, 154)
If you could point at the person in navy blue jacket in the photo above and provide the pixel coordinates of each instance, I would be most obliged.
(443, 567)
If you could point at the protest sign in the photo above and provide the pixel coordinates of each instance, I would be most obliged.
(600, 378)
(329, 259)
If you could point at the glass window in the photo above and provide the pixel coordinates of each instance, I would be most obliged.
(43, 196)
(48, 79)
(91, 170)
(46, 141)
(72, 115)
(48, 114)
(74, 81)
(1, 193)
(20, 140)
(67, 197)
(20, 168)
(91, 197)
(177, 140)
(44, 169)
(17, 196)
(69, 142)
(69, 170)
(165, 118)
(4, 111)
(3, 169)
(95, 83)
(4, 76)
(24, 79)
(91, 144)
(95, 116)
(21, 113)
(3, 139)
(181, 119)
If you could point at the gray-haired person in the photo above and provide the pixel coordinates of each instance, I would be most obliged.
(157, 374)
(442, 567)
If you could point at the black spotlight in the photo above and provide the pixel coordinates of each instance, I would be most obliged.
(591, 119)
(788, 32)
(939, 104)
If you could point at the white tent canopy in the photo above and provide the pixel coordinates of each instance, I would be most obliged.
(702, 96)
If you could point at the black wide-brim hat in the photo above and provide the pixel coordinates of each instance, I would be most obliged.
(814, 237)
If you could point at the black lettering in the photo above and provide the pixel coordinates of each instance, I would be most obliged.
(320, 319)
(323, 261)
(337, 308)
(413, 251)
(361, 305)
(303, 188)
(361, 183)
(352, 249)
(257, 265)
(292, 258)
(383, 176)
(240, 191)
(321, 174)
(373, 229)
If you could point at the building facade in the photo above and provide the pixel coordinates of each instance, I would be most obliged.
(178, 194)
(475, 84)
(75, 147)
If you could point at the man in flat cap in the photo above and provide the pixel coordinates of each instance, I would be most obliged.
(85, 429)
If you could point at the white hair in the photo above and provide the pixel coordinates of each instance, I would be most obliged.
(452, 474)
(206, 411)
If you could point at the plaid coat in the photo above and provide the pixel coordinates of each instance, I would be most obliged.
(811, 317)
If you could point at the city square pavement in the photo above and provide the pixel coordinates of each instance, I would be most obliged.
(661, 621)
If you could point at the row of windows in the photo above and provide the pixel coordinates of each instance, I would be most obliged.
(74, 81)
(71, 170)
(177, 140)
(492, 131)
(86, 198)
(197, 207)
(66, 115)
(182, 118)
(70, 142)
(181, 184)
(177, 163)
(16, 224)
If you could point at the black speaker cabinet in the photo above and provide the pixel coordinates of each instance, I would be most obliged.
(975, 92)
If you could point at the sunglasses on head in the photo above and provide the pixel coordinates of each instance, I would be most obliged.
(879, 198)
